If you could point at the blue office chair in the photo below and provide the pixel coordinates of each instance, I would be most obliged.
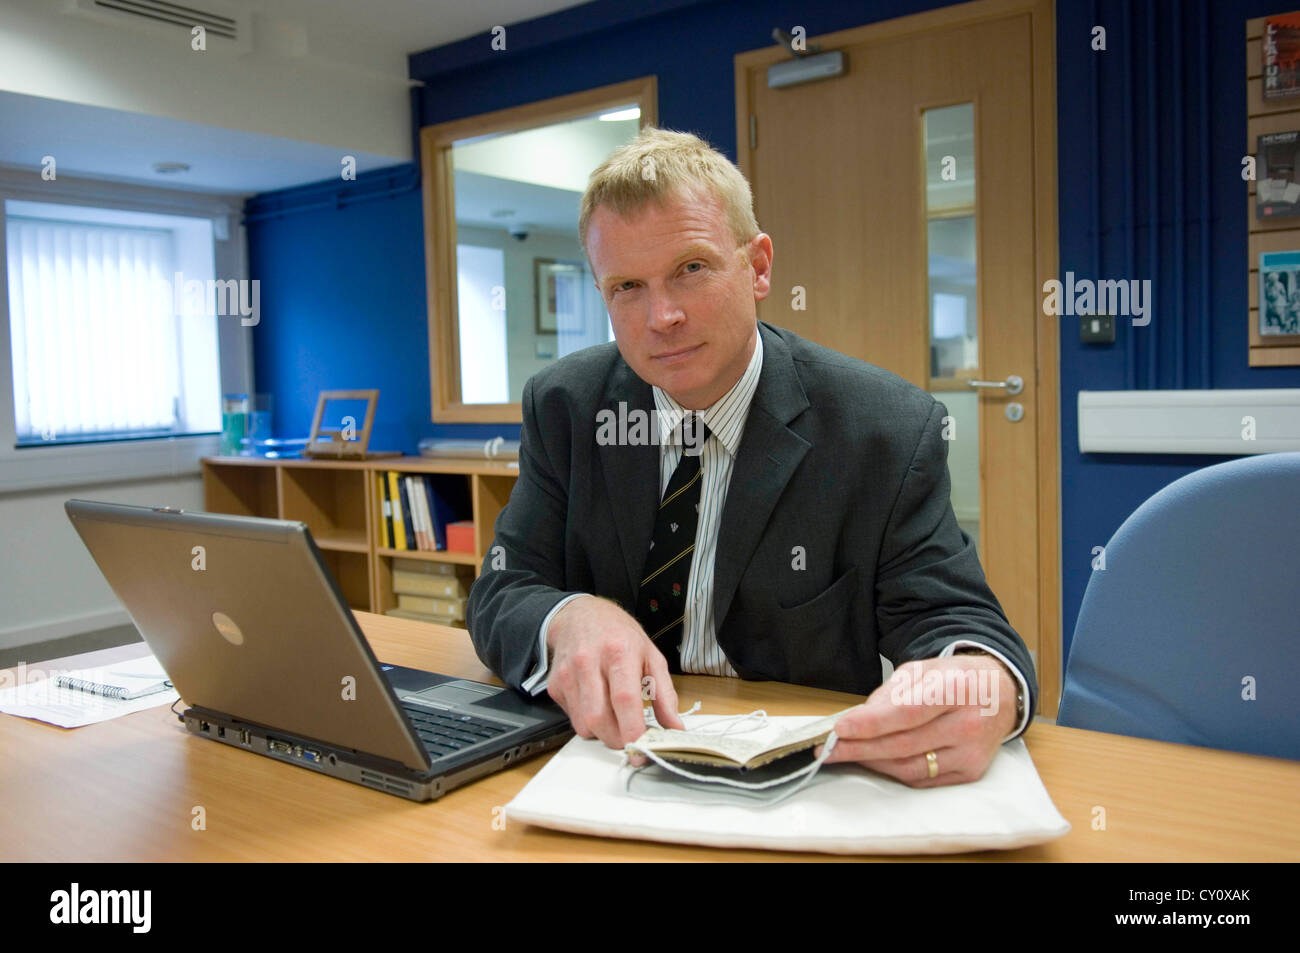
(1201, 591)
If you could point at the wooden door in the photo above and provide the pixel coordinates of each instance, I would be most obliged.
(911, 204)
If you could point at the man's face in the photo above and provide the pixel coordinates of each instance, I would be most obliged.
(679, 295)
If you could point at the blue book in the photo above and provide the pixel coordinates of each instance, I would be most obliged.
(449, 501)
(439, 524)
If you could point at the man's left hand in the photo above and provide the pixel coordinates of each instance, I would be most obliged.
(960, 708)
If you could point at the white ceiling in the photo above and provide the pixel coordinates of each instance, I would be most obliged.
(534, 179)
(94, 142)
(409, 26)
(376, 36)
(560, 155)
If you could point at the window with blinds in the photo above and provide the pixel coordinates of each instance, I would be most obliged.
(98, 334)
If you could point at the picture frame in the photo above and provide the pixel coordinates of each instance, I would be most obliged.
(334, 444)
(1278, 321)
(1277, 189)
(547, 273)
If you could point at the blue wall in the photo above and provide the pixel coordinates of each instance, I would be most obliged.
(343, 304)
(343, 289)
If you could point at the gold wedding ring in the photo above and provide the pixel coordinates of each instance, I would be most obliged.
(932, 761)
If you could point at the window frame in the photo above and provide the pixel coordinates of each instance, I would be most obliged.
(72, 464)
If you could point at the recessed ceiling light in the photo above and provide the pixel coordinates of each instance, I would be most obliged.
(170, 168)
(502, 212)
(620, 115)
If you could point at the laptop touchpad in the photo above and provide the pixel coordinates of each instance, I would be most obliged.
(458, 693)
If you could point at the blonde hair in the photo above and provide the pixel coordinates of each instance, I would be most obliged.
(660, 164)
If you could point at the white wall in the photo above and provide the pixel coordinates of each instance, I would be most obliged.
(326, 90)
(50, 588)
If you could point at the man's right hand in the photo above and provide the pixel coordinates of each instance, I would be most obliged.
(603, 671)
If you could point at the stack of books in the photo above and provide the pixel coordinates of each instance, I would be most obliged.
(428, 592)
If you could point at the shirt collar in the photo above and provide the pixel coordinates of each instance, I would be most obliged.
(726, 417)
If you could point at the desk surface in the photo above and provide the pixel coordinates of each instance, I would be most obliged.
(125, 790)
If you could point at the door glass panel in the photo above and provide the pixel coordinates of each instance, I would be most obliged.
(951, 295)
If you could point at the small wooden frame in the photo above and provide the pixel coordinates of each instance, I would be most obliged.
(330, 443)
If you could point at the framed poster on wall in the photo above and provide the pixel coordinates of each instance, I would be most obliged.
(558, 295)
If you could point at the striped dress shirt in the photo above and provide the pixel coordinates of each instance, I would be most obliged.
(700, 652)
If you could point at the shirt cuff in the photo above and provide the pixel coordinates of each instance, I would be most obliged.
(952, 647)
(535, 683)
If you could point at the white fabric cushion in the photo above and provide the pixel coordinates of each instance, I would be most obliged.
(845, 810)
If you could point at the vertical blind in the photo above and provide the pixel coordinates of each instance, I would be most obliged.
(93, 329)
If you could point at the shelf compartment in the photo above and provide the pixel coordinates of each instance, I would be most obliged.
(491, 494)
(352, 573)
(457, 497)
(239, 489)
(386, 598)
(332, 502)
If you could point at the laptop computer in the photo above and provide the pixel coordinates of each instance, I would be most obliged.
(253, 631)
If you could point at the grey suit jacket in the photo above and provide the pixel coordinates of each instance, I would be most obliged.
(840, 460)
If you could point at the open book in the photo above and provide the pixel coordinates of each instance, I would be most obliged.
(734, 750)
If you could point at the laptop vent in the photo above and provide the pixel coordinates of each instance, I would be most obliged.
(380, 783)
(224, 25)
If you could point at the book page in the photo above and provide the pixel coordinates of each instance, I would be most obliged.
(739, 749)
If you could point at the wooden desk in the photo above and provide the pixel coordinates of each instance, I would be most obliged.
(125, 790)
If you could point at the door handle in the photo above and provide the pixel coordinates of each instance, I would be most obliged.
(1014, 384)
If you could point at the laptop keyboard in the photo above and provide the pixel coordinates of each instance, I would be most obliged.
(445, 733)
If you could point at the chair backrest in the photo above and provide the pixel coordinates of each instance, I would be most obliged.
(1192, 631)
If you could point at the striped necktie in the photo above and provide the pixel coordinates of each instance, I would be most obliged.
(661, 599)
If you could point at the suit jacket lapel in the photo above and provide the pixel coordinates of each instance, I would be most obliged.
(631, 473)
(769, 454)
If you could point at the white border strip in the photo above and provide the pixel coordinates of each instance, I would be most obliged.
(41, 468)
(1189, 421)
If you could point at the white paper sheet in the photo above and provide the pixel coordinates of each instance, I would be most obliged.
(41, 699)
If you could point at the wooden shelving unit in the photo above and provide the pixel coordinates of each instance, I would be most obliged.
(342, 504)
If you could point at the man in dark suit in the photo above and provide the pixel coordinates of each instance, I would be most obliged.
(715, 494)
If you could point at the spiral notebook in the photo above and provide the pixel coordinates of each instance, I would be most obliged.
(125, 681)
